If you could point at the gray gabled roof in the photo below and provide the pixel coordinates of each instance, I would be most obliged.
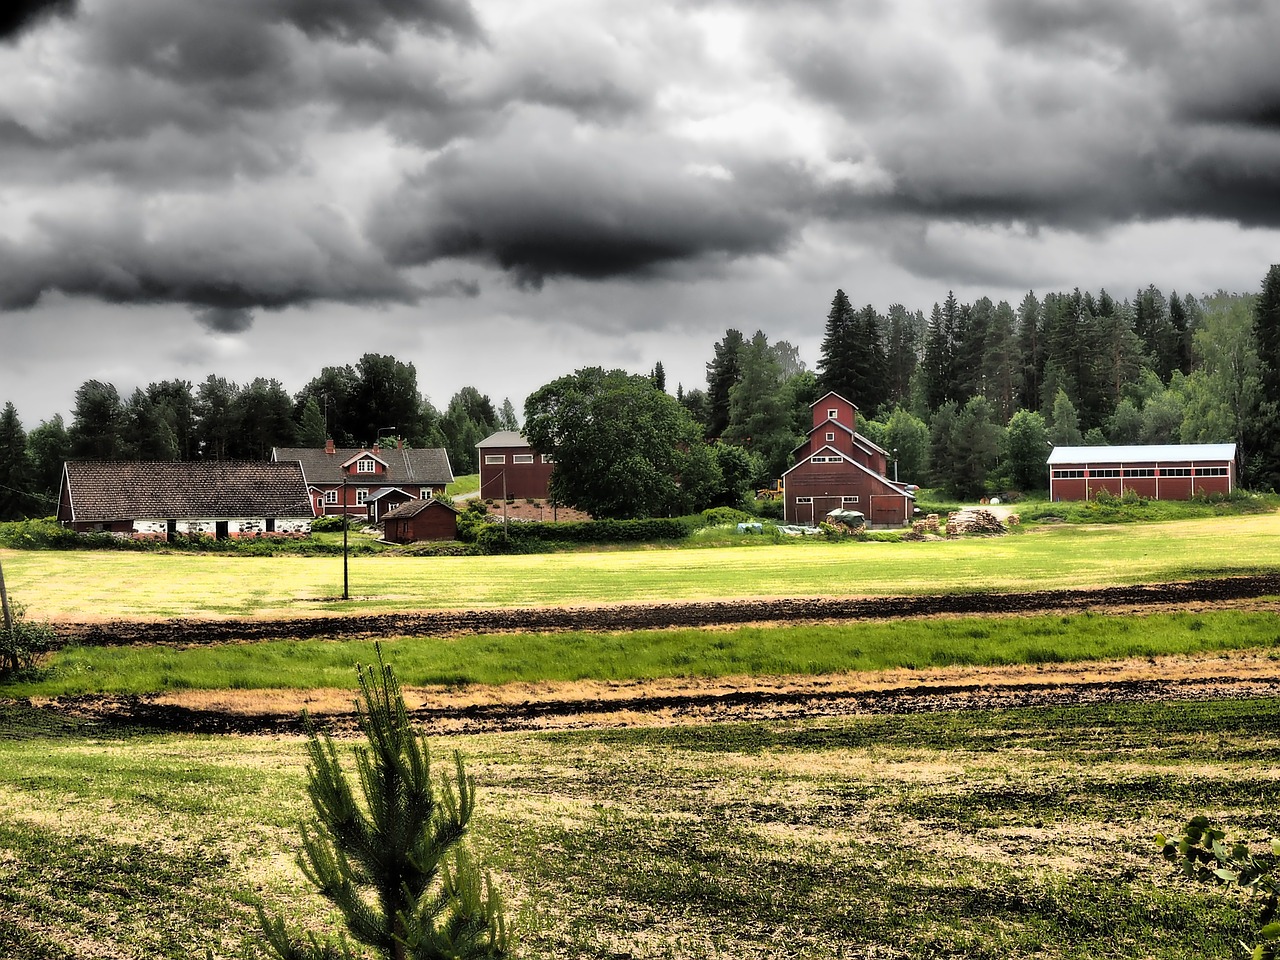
(503, 438)
(428, 466)
(1144, 453)
(101, 490)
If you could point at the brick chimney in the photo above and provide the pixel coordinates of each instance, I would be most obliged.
(329, 447)
(376, 449)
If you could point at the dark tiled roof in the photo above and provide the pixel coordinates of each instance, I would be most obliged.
(166, 490)
(413, 508)
(426, 467)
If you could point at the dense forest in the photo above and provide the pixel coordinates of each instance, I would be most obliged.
(969, 398)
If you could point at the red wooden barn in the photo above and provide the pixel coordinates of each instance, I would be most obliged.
(509, 467)
(421, 520)
(838, 468)
(1170, 471)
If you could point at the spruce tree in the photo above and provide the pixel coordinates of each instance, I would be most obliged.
(393, 865)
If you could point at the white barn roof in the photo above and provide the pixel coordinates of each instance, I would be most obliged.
(1144, 453)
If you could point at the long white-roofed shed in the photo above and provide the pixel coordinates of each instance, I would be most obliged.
(1163, 471)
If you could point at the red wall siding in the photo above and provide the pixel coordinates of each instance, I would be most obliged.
(522, 479)
(1161, 487)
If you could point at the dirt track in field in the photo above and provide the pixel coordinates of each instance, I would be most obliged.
(1246, 674)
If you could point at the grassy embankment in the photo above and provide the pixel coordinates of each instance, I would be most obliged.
(984, 835)
(563, 657)
(93, 585)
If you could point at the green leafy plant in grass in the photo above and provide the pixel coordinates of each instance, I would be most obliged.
(1203, 853)
(21, 642)
(394, 866)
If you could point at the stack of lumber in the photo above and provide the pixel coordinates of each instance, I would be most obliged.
(928, 525)
(974, 522)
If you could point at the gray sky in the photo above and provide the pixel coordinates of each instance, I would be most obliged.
(503, 191)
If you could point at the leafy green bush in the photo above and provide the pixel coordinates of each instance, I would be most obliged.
(724, 516)
(330, 523)
(530, 537)
(22, 642)
(1202, 853)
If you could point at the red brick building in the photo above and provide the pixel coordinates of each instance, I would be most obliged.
(1172, 471)
(509, 467)
(345, 480)
(161, 499)
(838, 468)
(421, 520)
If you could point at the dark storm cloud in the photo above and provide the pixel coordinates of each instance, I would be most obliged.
(222, 259)
(542, 213)
(375, 19)
(226, 320)
(454, 289)
(19, 15)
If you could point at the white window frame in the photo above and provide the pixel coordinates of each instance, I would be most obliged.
(522, 458)
(367, 465)
(547, 458)
(832, 413)
(830, 437)
(331, 496)
(848, 499)
(495, 458)
(804, 499)
(362, 494)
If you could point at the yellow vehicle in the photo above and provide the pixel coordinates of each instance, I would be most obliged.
(770, 493)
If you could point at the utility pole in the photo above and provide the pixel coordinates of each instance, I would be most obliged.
(346, 520)
(4, 602)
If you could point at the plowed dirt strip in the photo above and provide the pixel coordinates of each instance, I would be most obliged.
(668, 615)
(595, 705)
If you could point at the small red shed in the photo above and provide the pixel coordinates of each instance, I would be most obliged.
(421, 520)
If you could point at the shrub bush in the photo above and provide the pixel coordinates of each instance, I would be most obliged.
(23, 642)
(330, 523)
(529, 537)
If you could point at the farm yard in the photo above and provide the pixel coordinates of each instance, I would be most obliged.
(931, 777)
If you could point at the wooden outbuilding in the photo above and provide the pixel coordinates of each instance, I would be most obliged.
(1168, 471)
(509, 467)
(161, 499)
(421, 520)
(838, 468)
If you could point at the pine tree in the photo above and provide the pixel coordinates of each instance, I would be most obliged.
(723, 374)
(15, 495)
(393, 866)
(836, 356)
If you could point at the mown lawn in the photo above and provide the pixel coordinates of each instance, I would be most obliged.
(742, 651)
(985, 835)
(89, 585)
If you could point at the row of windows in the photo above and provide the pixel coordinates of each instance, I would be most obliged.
(1139, 473)
(495, 458)
(825, 459)
(362, 495)
(843, 500)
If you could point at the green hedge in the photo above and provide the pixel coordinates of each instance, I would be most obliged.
(530, 537)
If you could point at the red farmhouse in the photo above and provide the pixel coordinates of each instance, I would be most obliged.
(509, 467)
(1173, 471)
(421, 520)
(345, 480)
(838, 468)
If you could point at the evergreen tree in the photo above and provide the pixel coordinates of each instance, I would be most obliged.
(659, 376)
(902, 352)
(975, 448)
(1265, 440)
(467, 420)
(1001, 362)
(942, 452)
(393, 865)
(311, 432)
(836, 353)
(47, 450)
(216, 418)
(1031, 352)
(1064, 431)
(507, 419)
(15, 479)
(148, 432)
(97, 422)
(384, 394)
(1223, 390)
(936, 366)
(1125, 425)
(262, 414)
(722, 377)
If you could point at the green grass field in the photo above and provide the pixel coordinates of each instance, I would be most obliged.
(745, 651)
(92, 585)
(982, 835)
